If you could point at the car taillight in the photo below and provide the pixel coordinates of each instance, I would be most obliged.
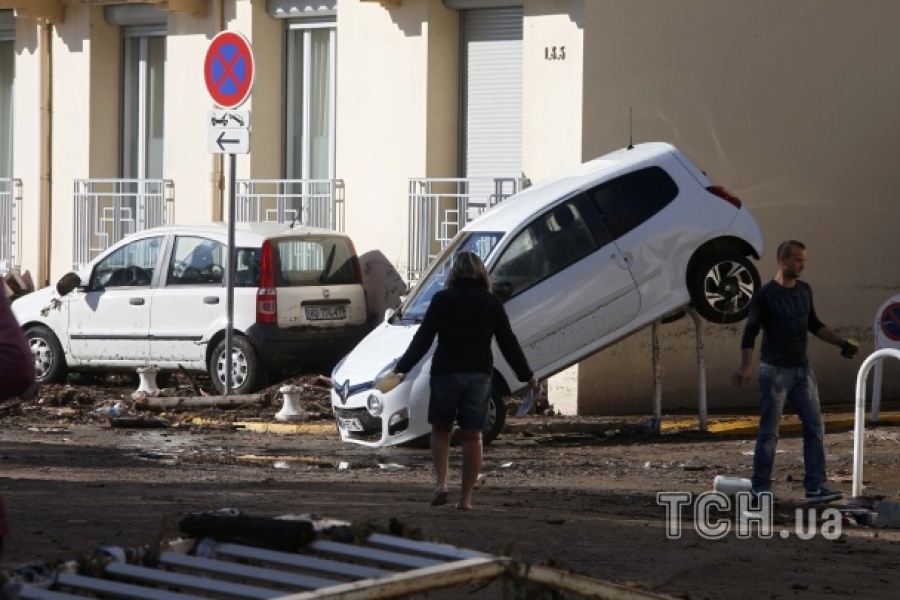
(266, 298)
(725, 195)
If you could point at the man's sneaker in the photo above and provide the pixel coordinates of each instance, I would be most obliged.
(823, 494)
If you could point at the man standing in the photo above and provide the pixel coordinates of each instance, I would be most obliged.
(783, 309)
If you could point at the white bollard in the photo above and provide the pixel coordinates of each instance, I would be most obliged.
(147, 385)
(291, 411)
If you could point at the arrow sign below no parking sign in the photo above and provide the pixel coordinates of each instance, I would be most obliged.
(228, 141)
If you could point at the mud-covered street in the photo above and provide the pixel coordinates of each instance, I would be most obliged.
(585, 501)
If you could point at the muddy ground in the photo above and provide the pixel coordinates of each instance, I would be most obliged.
(585, 501)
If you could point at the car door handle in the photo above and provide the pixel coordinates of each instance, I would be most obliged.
(622, 260)
(136, 301)
(211, 300)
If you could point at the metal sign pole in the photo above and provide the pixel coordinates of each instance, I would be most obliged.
(229, 275)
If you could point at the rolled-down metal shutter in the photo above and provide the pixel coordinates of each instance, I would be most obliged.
(492, 72)
(7, 26)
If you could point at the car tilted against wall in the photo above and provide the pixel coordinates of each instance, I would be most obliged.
(581, 260)
(158, 297)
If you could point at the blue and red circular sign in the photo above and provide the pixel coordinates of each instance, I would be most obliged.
(228, 69)
(890, 321)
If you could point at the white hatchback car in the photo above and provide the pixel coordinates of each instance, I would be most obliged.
(159, 297)
(581, 260)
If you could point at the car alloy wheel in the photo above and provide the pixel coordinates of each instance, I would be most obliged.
(723, 287)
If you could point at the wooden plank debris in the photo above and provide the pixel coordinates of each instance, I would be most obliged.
(171, 402)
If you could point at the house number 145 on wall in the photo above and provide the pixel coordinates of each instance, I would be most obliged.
(554, 53)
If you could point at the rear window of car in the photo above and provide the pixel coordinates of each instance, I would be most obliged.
(629, 200)
(315, 261)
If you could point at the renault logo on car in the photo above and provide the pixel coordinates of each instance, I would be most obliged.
(343, 390)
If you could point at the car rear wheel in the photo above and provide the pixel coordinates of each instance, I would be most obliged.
(49, 360)
(722, 285)
(247, 371)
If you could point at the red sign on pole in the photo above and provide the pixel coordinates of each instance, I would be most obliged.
(228, 69)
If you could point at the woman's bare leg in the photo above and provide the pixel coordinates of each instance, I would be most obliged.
(471, 451)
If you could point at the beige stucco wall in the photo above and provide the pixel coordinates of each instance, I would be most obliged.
(187, 162)
(86, 54)
(396, 120)
(201, 177)
(802, 131)
(552, 117)
(27, 141)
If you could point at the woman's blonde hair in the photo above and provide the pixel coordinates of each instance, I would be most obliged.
(467, 265)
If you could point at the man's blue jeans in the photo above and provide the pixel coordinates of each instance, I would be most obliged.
(797, 384)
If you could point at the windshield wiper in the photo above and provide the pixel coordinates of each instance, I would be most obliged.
(328, 262)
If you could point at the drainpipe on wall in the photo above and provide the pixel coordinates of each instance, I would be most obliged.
(45, 217)
(218, 185)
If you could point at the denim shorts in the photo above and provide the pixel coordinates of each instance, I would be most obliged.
(463, 398)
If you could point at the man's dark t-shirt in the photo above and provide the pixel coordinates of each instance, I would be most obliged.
(784, 315)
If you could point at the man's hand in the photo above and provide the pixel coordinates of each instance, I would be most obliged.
(849, 348)
(741, 377)
(535, 385)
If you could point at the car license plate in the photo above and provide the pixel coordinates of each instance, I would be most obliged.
(350, 424)
(325, 313)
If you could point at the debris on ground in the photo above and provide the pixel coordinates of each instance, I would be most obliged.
(108, 399)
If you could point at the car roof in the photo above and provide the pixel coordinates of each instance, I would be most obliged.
(518, 208)
(246, 233)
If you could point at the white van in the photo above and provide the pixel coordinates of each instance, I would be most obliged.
(581, 260)
(159, 297)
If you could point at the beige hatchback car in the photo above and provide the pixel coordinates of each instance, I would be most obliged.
(159, 297)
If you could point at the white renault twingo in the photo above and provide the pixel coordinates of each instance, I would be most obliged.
(581, 260)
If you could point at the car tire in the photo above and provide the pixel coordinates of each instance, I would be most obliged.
(722, 285)
(49, 359)
(497, 418)
(249, 375)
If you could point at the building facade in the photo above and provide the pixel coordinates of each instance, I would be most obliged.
(380, 108)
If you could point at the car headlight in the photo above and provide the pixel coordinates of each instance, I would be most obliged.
(374, 404)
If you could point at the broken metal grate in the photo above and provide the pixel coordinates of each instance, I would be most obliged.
(382, 566)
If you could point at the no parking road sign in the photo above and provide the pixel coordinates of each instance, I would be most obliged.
(228, 69)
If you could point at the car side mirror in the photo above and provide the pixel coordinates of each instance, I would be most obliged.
(67, 283)
(502, 289)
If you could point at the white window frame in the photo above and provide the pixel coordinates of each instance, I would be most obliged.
(143, 33)
(307, 26)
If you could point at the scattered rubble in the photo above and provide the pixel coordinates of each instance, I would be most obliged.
(111, 398)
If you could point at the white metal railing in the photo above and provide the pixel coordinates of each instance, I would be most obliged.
(314, 202)
(10, 224)
(440, 207)
(106, 210)
(860, 414)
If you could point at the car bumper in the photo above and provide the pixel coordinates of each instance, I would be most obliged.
(282, 349)
(403, 418)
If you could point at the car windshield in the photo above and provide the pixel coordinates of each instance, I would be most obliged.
(480, 242)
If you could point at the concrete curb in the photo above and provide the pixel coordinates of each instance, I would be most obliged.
(722, 425)
(276, 428)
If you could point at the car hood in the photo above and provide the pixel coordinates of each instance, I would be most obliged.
(29, 307)
(376, 352)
